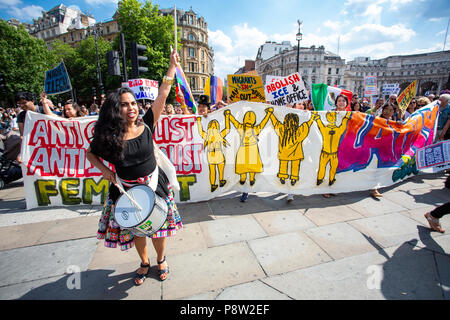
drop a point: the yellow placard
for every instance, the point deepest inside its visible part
(242, 87)
(406, 96)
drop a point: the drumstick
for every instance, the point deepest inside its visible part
(129, 197)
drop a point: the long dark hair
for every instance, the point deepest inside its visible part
(75, 106)
(110, 128)
(291, 125)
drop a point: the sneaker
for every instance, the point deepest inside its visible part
(290, 198)
(244, 197)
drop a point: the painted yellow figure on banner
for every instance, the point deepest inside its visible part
(214, 143)
(331, 134)
(248, 160)
(290, 150)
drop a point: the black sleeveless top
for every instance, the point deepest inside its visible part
(139, 159)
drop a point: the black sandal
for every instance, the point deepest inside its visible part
(143, 275)
(163, 272)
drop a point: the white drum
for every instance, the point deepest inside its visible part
(149, 219)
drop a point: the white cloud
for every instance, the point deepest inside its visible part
(27, 13)
(9, 3)
(101, 2)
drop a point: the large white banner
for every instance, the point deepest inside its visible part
(247, 147)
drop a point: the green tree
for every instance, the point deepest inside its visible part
(23, 60)
(81, 64)
(142, 23)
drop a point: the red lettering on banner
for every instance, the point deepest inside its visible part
(185, 158)
(174, 129)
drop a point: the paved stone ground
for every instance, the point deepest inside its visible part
(345, 247)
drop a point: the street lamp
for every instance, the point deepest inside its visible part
(298, 37)
(98, 31)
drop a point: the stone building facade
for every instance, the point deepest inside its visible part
(197, 57)
(432, 70)
(315, 64)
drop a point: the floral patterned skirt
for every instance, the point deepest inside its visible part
(114, 235)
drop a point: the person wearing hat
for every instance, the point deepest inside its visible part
(203, 105)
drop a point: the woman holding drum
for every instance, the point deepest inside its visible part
(121, 139)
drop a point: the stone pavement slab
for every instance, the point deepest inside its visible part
(287, 252)
(26, 235)
(224, 231)
(340, 240)
(331, 215)
(413, 201)
(43, 261)
(388, 230)
(369, 207)
(276, 222)
(397, 273)
(255, 290)
(211, 269)
(189, 238)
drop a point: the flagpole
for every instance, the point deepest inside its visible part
(175, 28)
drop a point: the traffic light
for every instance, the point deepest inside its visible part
(2, 82)
(136, 59)
(113, 60)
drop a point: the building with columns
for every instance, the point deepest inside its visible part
(316, 65)
(197, 57)
(432, 70)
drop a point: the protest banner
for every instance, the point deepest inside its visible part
(406, 96)
(57, 80)
(390, 88)
(245, 147)
(370, 86)
(242, 87)
(287, 90)
(435, 156)
(143, 88)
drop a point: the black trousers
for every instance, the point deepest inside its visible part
(441, 211)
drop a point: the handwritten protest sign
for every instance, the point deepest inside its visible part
(370, 86)
(143, 88)
(288, 90)
(245, 147)
(436, 156)
(390, 88)
(57, 80)
(243, 87)
(406, 96)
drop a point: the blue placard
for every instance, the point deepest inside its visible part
(57, 80)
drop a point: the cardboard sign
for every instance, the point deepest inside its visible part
(406, 96)
(436, 156)
(57, 80)
(143, 88)
(370, 86)
(243, 87)
(288, 90)
(390, 88)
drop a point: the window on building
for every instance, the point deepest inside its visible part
(191, 20)
(191, 52)
(337, 70)
(107, 29)
(329, 82)
(203, 68)
(191, 37)
(329, 70)
(314, 70)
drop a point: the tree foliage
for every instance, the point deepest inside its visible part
(142, 23)
(23, 61)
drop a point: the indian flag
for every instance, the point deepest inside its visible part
(323, 96)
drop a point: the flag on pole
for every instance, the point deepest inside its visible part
(214, 89)
(183, 85)
(323, 96)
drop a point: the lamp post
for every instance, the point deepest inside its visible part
(98, 31)
(298, 37)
